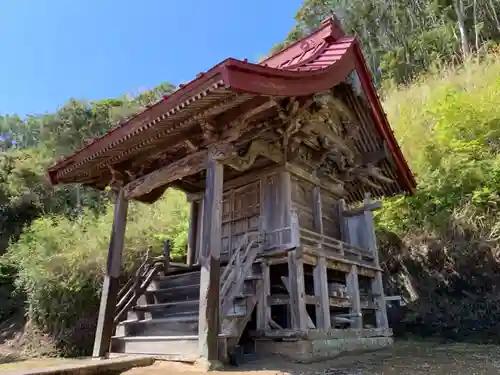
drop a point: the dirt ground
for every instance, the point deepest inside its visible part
(405, 358)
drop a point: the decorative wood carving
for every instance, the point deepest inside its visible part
(257, 147)
(118, 179)
(208, 130)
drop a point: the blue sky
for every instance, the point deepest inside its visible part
(52, 50)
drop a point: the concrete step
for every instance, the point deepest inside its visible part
(178, 348)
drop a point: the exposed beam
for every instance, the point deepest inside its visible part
(190, 164)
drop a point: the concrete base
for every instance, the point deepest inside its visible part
(91, 367)
(322, 345)
(206, 365)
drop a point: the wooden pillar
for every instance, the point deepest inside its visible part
(323, 320)
(210, 262)
(297, 290)
(320, 274)
(263, 308)
(192, 234)
(110, 287)
(376, 283)
(352, 285)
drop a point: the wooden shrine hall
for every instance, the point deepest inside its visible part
(282, 163)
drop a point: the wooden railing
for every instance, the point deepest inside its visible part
(238, 268)
(136, 285)
(286, 237)
(309, 237)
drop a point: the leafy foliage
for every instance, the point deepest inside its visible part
(449, 232)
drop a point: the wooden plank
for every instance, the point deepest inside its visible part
(263, 308)
(111, 287)
(353, 291)
(208, 327)
(188, 165)
(331, 256)
(321, 291)
(336, 189)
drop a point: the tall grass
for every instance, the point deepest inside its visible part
(448, 124)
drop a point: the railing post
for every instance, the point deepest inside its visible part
(166, 257)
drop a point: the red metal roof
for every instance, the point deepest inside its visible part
(312, 65)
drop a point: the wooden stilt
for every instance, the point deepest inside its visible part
(297, 291)
(320, 275)
(210, 263)
(110, 288)
(263, 309)
(321, 290)
(353, 291)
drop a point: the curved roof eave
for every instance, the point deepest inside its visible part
(237, 76)
(313, 65)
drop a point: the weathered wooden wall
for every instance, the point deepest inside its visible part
(258, 203)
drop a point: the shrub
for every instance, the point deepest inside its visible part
(61, 263)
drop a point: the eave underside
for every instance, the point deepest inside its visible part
(208, 122)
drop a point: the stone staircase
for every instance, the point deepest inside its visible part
(164, 321)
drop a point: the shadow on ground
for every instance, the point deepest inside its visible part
(405, 358)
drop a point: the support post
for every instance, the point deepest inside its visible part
(192, 234)
(320, 274)
(111, 287)
(376, 283)
(297, 290)
(210, 263)
(323, 319)
(352, 285)
(263, 309)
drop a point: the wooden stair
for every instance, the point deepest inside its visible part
(164, 321)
